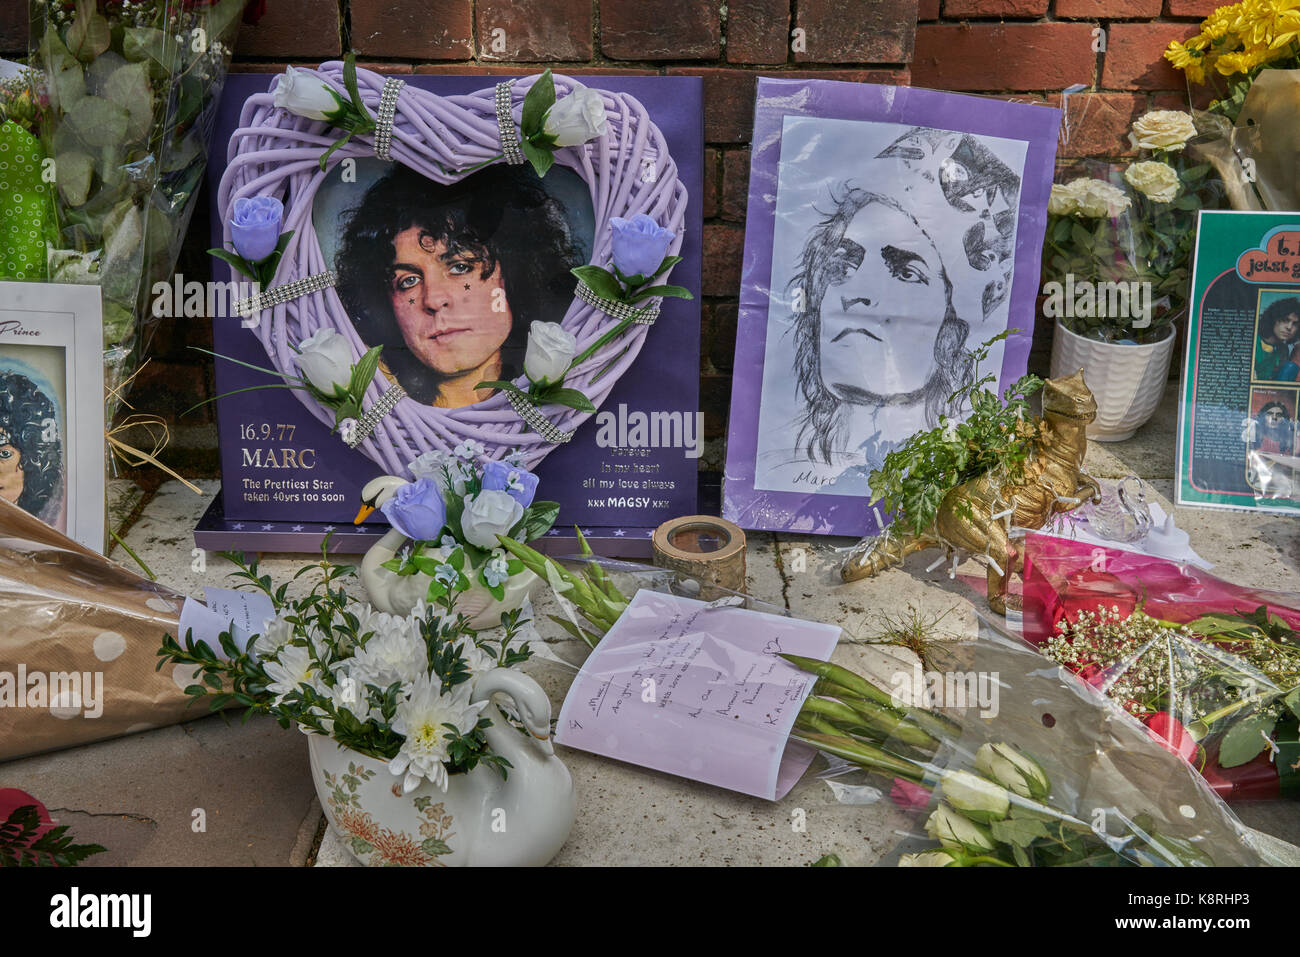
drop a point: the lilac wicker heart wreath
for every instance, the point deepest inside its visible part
(277, 153)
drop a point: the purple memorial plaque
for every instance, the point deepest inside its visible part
(890, 232)
(281, 467)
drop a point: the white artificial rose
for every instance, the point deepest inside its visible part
(1163, 130)
(306, 95)
(576, 118)
(1098, 199)
(490, 513)
(325, 358)
(1157, 181)
(551, 348)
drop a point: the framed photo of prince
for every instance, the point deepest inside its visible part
(904, 233)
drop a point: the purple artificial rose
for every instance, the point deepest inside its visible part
(417, 511)
(255, 226)
(640, 244)
(519, 484)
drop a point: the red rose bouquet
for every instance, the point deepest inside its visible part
(1211, 669)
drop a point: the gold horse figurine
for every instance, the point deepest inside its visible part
(977, 515)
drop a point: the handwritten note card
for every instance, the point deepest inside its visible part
(697, 689)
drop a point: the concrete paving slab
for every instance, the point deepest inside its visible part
(146, 796)
(137, 795)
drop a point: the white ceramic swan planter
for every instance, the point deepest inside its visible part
(398, 595)
(481, 820)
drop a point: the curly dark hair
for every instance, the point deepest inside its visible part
(1276, 312)
(501, 215)
(24, 413)
(1283, 435)
(821, 424)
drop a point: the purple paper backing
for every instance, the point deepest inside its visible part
(1037, 125)
(665, 377)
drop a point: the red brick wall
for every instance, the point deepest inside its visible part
(1028, 48)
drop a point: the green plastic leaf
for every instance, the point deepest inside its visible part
(1245, 739)
(602, 282)
(542, 159)
(668, 263)
(571, 398)
(89, 35)
(670, 292)
(364, 371)
(537, 103)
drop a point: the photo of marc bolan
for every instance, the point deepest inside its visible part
(893, 257)
(448, 278)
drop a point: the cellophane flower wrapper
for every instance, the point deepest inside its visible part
(1250, 133)
(690, 683)
(1250, 688)
(1145, 242)
(132, 97)
(1113, 790)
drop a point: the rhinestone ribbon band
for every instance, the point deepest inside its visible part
(373, 415)
(645, 316)
(528, 412)
(384, 118)
(290, 290)
(506, 127)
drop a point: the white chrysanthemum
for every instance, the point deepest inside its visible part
(394, 652)
(275, 634)
(294, 668)
(421, 719)
(478, 659)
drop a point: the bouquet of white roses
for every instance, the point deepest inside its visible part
(1136, 229)
(395, 688)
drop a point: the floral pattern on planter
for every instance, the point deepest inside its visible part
(375, 844)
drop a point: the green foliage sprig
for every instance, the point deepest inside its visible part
(20, 847)
(239, 677)
(996, 437)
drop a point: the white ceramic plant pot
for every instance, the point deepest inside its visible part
(1126, 380)
(481, 821)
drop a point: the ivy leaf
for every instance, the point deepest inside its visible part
(1245, 739)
